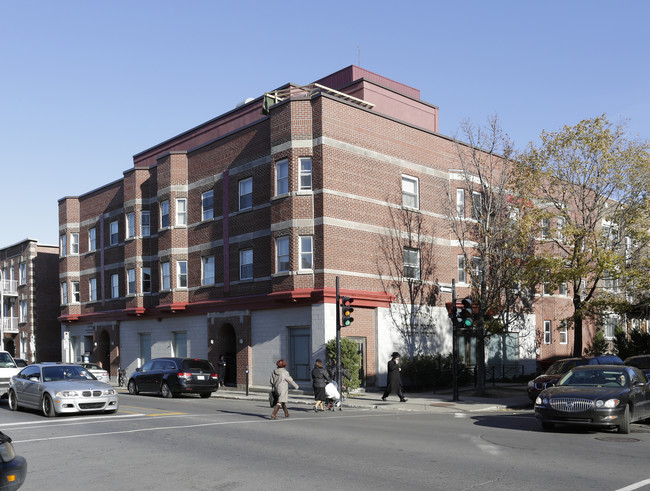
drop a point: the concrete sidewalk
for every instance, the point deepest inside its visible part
(500, 397)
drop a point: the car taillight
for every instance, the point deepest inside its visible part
(184, 375)
(214, 375)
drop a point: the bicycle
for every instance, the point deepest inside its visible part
(121, 378)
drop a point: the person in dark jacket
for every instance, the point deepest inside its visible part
(394, 380)
(320, 378)
(222, 370)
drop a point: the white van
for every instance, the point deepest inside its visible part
(8, 369)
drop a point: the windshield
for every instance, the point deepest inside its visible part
(595, 378)
(6, 361)
(68, 372)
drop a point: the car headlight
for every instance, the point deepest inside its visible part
(109, 392)
(541, 401)
(531, 383)
(7, 453)
(609, 404)
(67, 393)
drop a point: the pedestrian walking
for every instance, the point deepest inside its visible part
(320, 378)
(221, 370)
(394, 381)
(280, 380)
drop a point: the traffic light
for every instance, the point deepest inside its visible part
(467, 313)
(455, 313)
(346, 305)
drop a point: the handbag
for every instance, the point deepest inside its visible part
(273, 398)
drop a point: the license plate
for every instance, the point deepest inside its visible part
(200, 377)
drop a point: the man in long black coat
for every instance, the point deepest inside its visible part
(394, 381)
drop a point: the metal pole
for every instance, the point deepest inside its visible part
(454, 349)
(246, 380)
(2, 311)
(338, 342)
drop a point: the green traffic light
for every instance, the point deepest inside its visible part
(468, 322)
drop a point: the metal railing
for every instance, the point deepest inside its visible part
(9, 287)
(10, 325)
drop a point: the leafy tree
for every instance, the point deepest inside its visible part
(495, 235)
(598, 345)
(591, 183)
(350, 357)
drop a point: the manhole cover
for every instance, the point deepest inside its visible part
(621, 439)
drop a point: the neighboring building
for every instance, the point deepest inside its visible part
(227, 239)
(30, 301)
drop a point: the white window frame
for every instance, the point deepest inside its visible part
(92, 239)
(74, 243)
(207, 270)
(411, 259)
(564, 335)
(75, 292)
(145, 280)
(246, 194)
(545, 227)
(460, 202)
(130, 281)
(181, 274)
(22, 273)
(561, 222)
(64, 293)
(460, 266)
(477, 205)
(410, 192)
(114, 233)
(207, 205)
(115, 285)
(246, 264)
(548, 338)
(129, 228)
(282, 254)
(164, 214)
(305, 173)
(92, 289)
(63, 245)
(564, 289)
(282, 177)
(306, 248)
(22, 311)
(165, 276)
(145, 223)
(181, 212)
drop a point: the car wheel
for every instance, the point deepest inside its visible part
(624, 427)
(548, 426)
(165, 391)
(48, 406)
(205, 395)
(133, 389)
(13, 401)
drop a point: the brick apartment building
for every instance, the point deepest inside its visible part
(30, 301)
(228, 238)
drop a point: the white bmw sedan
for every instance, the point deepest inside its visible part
(58, 388)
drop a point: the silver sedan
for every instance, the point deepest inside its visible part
(60, 388)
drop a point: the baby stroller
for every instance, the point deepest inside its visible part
(333, 396)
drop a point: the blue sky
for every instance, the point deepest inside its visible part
(85, 85)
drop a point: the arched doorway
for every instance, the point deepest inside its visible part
(103, 353)
(227, 346)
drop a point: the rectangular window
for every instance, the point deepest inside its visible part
(74, 243)
(64, 293)
(611, 323)
(282, 254)
(246, 264)
(92, 239)
(145, 224)
(181, 212)
(76, 295)
(410, 192)
(460, 203)
(560, 228)
(115, 286)
(564, 289)
(564, 337)
(179, 344)
(462, 276)
(23, 311)
(546, 228)
(181, 274)
(130, 285)
(411, 263)
(246, 194)
(207, 277)
(282, 177)
(145, 277)
(207, 205)
(145, 348)
(306, 253)
(114, 239)
(63, 245)
(165, 274)
(547, 332)
(92, 287)
(305, 173)
(477, 205)
(130, 225)
(22, 273)
(164, 214)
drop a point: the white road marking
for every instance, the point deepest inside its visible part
(637, 485)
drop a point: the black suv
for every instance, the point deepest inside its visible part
(173, 376)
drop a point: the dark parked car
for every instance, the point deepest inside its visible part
(561, 367)
(20, 363)
(640, 361)
(596, 395)
(13, 468)
(173, 376)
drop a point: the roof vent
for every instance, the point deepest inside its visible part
(245, 101)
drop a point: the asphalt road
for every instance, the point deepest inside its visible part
(212, 444)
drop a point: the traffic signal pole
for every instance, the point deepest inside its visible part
(454, 340)
(338, 342)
